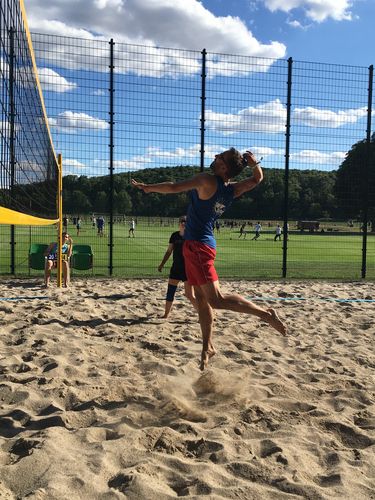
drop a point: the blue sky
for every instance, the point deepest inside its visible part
(325, 126)
(331, 31)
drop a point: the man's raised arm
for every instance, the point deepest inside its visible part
(251, 182)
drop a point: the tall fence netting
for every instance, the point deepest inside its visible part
(119, 111)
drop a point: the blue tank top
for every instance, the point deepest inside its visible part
(202, 214)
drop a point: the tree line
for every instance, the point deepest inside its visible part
(313, 194)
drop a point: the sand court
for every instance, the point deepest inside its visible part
(101, 398)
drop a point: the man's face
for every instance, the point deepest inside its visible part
(220, 164)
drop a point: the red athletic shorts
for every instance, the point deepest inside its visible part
(199, 263)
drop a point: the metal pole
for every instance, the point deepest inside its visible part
(12, 152)
(111, 147)
(286, 174)
(366, 176)
(203, 106)
(29, 247)
(60, 209)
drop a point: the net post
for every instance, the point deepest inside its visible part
(286, 171)
(59, 208)
(203, 107)
(111, 151)
(12, 150)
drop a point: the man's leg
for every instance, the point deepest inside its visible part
(235, 302)
(206, 319)
(189, 294)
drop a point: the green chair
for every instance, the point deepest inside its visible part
(82, 257)
(36, 256)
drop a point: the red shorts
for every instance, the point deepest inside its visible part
(199, 263)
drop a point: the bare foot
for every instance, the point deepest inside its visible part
(276, 322)
(205, 357)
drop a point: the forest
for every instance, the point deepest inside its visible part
(313, 194)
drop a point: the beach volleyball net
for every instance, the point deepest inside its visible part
(29, 169)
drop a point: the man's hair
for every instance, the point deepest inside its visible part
(235, 163)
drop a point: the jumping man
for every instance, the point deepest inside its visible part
(211, 195)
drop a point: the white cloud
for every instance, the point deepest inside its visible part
(106, 4)
(317, 10)
(50, 80)
(157, 157)
(72, 163)
(135, 163)
(177, 153)
(318, 157)
(295, 24)
(100, 92)
(313, 117)
(72, 167)
(4, 126)
(70, 122)
(4, 68)
(164, 23)
(265, 151)
(270, 118)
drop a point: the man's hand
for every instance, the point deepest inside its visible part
(140, 185)
(251, 159)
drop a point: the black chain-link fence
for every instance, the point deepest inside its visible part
(119, 111)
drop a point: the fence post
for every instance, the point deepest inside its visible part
(366, 176)
(111, 147)
(286, 173)
(12, 152)
(203, 106)
(60, 226)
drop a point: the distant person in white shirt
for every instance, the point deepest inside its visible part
(258, 228)
(131, 229)
(278, 233)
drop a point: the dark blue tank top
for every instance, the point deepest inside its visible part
(202, 214)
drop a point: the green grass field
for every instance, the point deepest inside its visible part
(329, 256)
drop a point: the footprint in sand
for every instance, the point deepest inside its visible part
(349, 436)
(23, 448)
(121, 482)
(329, 480)
(268, 448)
